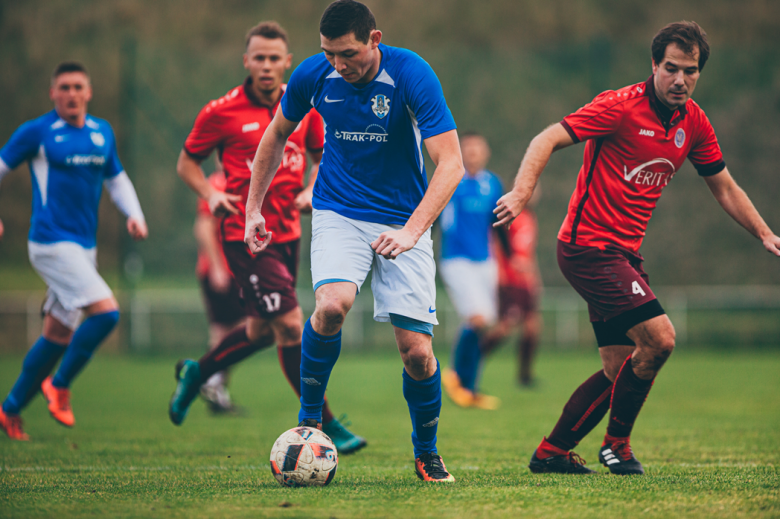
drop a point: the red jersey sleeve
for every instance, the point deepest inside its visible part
(599, 118)
(705, 154)
(205, 135)
(315, 135)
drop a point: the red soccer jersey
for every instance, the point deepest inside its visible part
(234, 124)
(522, 236)
(217, 181)
(629, 158)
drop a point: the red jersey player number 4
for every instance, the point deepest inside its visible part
(630, 156)
(234, 124)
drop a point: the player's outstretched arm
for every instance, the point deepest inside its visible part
(737, 204)
(444, 150)
(123, 194)
(537, 155)
(267, 159)
(220, 203)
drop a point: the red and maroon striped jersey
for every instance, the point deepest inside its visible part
(234, 125)
(630, 156)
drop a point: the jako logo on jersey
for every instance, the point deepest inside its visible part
(97, 138)
(432, 422)
(85, 160)
(649, 133)
(310, 381)
(373, 133)
(649, 178)
(250, 127)
(679, 138)
(380, 104)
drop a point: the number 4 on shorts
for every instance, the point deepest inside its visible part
(637, 289)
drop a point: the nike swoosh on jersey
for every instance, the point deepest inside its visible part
(332, 100)
(628, 176)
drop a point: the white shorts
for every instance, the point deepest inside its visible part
(70, 273)
(341, 251)
(472, 287)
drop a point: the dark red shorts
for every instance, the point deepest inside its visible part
(516, 302)
(222, 307)
(611, 280)
(267, 280)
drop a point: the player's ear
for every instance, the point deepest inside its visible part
(288, 63)
(375, 38)
(655, 65)
(246, 61)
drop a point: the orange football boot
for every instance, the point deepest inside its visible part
(59, 403)
(12, 425)
(459, 395)
(430, 467)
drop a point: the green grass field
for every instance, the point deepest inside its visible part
(709, 437)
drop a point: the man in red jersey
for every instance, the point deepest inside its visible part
(234, 125)
(519, 287)
(637, 138)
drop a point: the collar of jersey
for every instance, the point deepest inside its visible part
(255, 101)
(678, 114)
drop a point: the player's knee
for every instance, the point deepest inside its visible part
(478, 322)
(416, 360)
(332, 312)
(289, 333)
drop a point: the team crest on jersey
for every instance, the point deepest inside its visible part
(380, 104)
(97, 138)
(679, 138)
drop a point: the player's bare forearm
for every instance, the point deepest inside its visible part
(191, 173)
(267, 159)
(537, 155)
(738, 205)
(444, 150)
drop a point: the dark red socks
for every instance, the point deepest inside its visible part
(584, 410)
(234, 348)
(628, 395)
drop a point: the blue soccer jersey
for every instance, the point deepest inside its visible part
(372, 166)
(467, 220)
(68, 166)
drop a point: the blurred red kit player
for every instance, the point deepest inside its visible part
(233, 125)
(637, 138)
(519, 288)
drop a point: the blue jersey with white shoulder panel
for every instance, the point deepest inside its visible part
(68, 166)
(468, 218)
(372, 166)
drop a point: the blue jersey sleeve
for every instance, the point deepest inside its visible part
(23, 145)
(113, 164)
(425, 97)
(296, 101)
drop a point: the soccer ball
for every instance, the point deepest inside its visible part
(304, 456)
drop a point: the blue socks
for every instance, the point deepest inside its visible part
(424, 400)
(37, 365)
(319, 354)
(467, 357)
(85, 341)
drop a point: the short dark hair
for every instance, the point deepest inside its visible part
(270, 30)
(686, 35)
(68, 66)
(347, 16)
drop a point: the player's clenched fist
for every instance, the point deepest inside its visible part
(390, 244)
(508, 207)
(137, 229)
(255, 236)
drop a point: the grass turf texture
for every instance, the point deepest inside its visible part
(709, 438)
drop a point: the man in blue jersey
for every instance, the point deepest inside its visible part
(71, 156)
(373, 207)
(468, 269)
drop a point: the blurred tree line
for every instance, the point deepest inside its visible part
(509, 68)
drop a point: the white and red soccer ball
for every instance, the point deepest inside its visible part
(304, 456)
